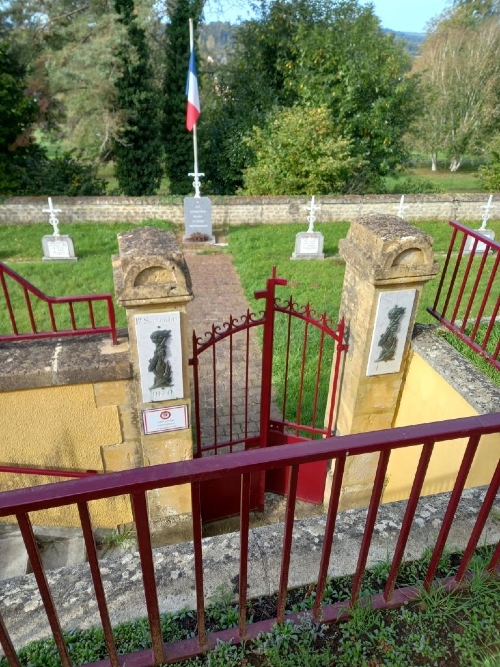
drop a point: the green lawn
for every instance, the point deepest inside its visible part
(463, 180)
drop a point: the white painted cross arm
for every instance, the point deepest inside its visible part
(52, 216)
(487, 212)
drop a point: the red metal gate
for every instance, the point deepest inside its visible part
(248, 396)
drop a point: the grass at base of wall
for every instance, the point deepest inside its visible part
(475, 358)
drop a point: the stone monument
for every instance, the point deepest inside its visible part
(198, 215)
(57, 247)
(309, 245)
(487, 233)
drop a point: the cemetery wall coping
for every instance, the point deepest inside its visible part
(482, 394)
(63, 361)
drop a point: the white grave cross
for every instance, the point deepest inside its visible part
(52, 217)
(311, 218)
(487, 211)
(196, 182)
(401, 207)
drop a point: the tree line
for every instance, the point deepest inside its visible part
(311, 97)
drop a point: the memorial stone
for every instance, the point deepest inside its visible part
(309, 245)
(198, 219)
(487, 233)
(57, 247)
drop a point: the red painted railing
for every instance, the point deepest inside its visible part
(52, 308)
(218, 468)
(47, 472)
(468, 297)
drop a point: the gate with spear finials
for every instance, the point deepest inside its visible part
(238, 386)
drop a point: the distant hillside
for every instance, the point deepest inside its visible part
(216, 39)
(414, 40)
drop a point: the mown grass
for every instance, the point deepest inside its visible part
(459, 629)
(463, 180)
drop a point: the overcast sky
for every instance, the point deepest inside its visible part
(403, 15)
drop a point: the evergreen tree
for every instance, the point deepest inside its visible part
(178, 141)
(18, 112)
(137, 148)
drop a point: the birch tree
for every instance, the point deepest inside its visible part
(460, 71)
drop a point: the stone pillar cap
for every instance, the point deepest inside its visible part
(383, 248)
(150, 269)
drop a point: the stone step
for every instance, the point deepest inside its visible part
(13, 555)
(58, 547)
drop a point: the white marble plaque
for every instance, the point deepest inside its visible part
(159, 347)
(481, 247)
(309, 245)
(392, 320)
(161, 420)
(58, 248)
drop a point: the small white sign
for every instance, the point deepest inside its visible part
(159, 347)
(392, 320)
(173, 418)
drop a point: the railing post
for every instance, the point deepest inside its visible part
(388, 262)
(267, 353)
(152, 282)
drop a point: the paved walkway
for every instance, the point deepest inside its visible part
(218, 294)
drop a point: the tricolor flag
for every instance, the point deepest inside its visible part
(193, 101)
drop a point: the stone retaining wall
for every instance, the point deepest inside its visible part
(246, 210)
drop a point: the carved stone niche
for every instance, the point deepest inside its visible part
(150, 269)
(387, 249)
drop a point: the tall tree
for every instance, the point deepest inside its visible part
(177, 140)
(460, 70)
(137, 147)
(18, 112)
(312, 54)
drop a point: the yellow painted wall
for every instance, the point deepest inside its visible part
(427, 397)
(59, 427)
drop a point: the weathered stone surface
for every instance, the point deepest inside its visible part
(464, 377)
(61, 361)
(246, 210)
(72, 589)
(150, 268)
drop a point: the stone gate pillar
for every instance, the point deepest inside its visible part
(388, 261)
(152, 283)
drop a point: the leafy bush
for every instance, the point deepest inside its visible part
(29, 171)
(298, 151)
(415, 186)
(489, 175)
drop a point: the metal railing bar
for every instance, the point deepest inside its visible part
(454, 274)
(95, 572)
(287, 542)
(30, 311)
(139, 504)
(21, 470)
(244, 533)
(473, 292)
(406, 524)
(456, 494)
(8, 302)
(485, 298)
(198, 564)
(331, 519)
(495, 559)
(7, 646)
(43, 587)
(252, 460)
(480, 522)
(378, 488)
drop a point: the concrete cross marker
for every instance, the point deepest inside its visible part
(52, 217)
(311, 218)
(401, 207)
(487, 211)
(196, 182)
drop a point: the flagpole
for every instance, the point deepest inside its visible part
(195, 136)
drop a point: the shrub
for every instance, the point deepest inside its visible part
(415, 186)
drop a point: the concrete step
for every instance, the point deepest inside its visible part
(13, 555)
(59, 547)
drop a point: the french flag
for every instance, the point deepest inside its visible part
(193, 101)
